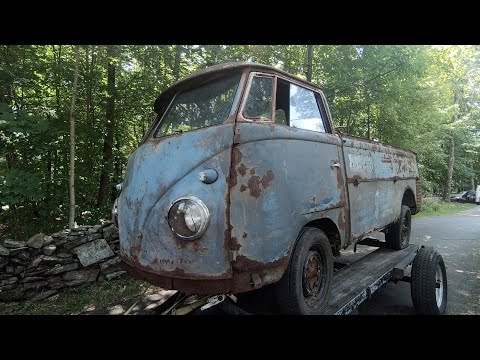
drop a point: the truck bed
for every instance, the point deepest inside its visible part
(357, 281)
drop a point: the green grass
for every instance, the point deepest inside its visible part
(75, 300)
(442, 208)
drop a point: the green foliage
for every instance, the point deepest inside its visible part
(397, 94)
(442, 208)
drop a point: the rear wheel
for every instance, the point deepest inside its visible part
(306, 285)
(398, 235)
(429, 283)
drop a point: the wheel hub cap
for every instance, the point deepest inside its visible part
(312, 274)
(439, 286)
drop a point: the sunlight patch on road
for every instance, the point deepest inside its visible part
(463, 292)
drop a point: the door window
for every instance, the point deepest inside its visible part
(259, 101)
(298, 107)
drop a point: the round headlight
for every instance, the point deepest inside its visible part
(188, 218)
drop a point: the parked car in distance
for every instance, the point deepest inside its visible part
(464, 196)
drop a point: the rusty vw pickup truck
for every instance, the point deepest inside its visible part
(242, 181)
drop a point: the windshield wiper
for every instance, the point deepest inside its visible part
(177, 131)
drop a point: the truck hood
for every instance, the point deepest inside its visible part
(157, 165)
(158, 173)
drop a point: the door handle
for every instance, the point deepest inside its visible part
(336, 164)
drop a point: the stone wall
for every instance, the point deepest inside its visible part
(40, 267)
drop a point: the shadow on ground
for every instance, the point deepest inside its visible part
(139, 305)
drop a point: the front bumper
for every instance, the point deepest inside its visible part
(239, 283)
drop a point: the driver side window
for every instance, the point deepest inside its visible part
(298, 107)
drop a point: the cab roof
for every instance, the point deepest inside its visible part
(212, 71)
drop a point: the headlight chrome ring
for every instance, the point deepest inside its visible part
(188, 218)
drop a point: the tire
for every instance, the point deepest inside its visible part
(295, 293)
(428, 268)
(398, 235)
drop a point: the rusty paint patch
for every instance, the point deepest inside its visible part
(194, 246)
(252, 171)
(254, 186)
(267, 179)
(236, 159)
(135, 251)
(235, 245)
(242, 169)
(245, 264)
(244, 236)
(171, 261)
(176, 273)
(243, 188)
(240, 282)
(343, 220)
(313, 199)
(188, 286)
(227, 234)
(264, 273)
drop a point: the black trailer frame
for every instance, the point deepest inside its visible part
(353, 283)
(356, 282)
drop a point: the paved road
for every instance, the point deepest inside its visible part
(457, 238)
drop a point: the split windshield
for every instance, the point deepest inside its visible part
(206, 105)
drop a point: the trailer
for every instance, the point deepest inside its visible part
(353, 283)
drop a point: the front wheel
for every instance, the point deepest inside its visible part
(306, 285)
(398, 235)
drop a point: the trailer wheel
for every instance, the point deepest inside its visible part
(306, 285)
(398, 235)
(429, 282)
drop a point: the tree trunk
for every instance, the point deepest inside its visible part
(88, 90)
(118, 166)
(56, 61)
(110, 125)
(309, 62)
(368, 123)
(176, 67)
(288, 59)
(451, 160)
(451, 157)
(10, 156)
(90, 119)
(71, 217)
(348, 121)
(472, 179)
